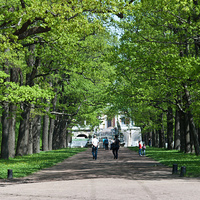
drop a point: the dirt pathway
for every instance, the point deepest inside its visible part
(82, 166)
(81, 177)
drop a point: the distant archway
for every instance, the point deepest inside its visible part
(82, 135)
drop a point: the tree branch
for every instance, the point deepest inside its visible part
(22, 3)
(32, 31)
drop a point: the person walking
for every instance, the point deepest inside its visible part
(140, 149)
(149, 142)
(143, 149)
(106, 143)
(95, 143)
(115, 148)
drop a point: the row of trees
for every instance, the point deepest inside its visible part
(54, 69)
(158, 71)
(59, 67)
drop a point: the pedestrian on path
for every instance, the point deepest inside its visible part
(149, 142)
(140, 149)
(106, 143)
(143, 149)
(95, 143)
(116, 145)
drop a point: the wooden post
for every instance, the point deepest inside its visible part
(10, 174)
(175, 169)
(183, 171)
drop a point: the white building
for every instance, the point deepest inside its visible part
(118, 125)
(131, 133)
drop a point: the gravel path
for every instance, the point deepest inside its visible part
(81, 177)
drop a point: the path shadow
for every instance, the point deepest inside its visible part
(82, 166)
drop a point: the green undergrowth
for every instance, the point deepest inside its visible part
(170, 157)
(25, 165)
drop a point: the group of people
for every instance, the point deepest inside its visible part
(114, 146)
(142, 149)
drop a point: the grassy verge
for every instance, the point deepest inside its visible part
(170, 157)
(25, 165)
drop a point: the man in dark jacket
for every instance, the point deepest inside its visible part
(116, 147)
(106, 143)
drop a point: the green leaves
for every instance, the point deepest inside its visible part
(158, 53)
(14, 93)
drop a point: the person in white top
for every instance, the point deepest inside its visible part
(95, 143)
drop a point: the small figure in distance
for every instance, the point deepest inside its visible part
(115, 148)
(106, 143)
(103, 143)
(140, 149)
(95, 143)
(149, 142)
(143, 149)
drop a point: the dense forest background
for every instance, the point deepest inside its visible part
(64, 62)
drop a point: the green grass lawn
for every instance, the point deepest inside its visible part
(25, 165)
(170, 157)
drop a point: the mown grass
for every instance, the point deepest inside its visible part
(25, 165)
(170, 157)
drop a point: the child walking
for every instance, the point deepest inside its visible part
(143, 149)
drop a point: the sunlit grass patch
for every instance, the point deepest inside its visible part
(170, 157)
(25, 165)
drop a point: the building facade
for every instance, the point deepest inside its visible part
(129, 134)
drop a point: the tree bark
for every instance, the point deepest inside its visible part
(191, 121)
(52, 123)
(153, 138)
(30, 137)
(161, 133)
(45, 133)
(22, 143)
(36, 133)
(170, 128)
(187, 135)
(63, 134)
(177, 136)
(182, 130)
(198, 131)
(5, 132)
(55, 143)
(69, 138)
(9, 121)
(11, 136)
(51, 130)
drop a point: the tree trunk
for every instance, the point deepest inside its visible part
(8, 132)
(161, 133)
(5, 132)
(182, 130)
(14, 77)
(52, 123)
(63, 136)
(170, 128)
(187, 135)
(30, 137)
(9, 122)
(177, 136)
(198, 131)
(51, 130)
(36, 133)
(154, 138)
(55, 143)
(45, 134)
(11, 136)
(69, 138)
(22, 143)
(191, 121)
